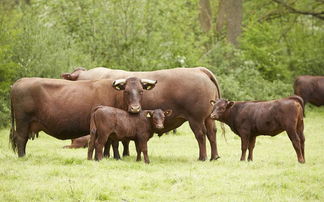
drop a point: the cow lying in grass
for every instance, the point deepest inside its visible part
(81, 142)
(250, 119)
(109, 122)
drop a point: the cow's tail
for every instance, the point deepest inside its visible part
(300, 100)
(12, 129)
(214, 80)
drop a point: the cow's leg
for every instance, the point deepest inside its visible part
(115, 144)
(107, 148)
(68, 146)
(293, 136)
(138, 151)
(126, 147)
(199, 130)
(251, 147)
(211, 134)
(21, 137)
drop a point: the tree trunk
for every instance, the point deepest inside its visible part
(205, 15)
(230, 14)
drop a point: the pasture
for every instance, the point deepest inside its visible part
(51, 173)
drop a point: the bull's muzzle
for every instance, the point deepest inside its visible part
(135, 109)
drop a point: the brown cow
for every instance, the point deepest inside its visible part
(81, 142)
(310, 88)
(253, 118)
(111, 122)
(62, 108)
(184, 90)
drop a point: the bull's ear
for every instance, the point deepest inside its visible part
(66, 76)
(212, 102)
(168, 112)
(119, 84)
(148, 84)
(229, 104)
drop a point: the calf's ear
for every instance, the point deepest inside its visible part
(229, 104)
(168, 112)
(148, 114)
(212, 102)
(148, 84)
(119, 84)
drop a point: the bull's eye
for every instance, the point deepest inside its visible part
(141, 92)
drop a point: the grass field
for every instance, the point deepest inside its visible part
(51, 173)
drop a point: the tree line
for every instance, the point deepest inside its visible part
(255, 48)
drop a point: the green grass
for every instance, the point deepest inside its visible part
(51, 173)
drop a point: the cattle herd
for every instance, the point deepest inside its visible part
(116, 105)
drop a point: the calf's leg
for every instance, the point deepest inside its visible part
(300, 132)
(107, 148)
(99, 145)
(138, 151)
(293, 136)
(251, 147)
(91, 146)
(143, 147)
(244, 146)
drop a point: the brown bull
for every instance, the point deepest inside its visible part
(310, 88)
(62, 108)
(184, 90)
(111, 122)
(253, 118)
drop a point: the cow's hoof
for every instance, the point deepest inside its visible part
(215, 158)
(301, 161)
(202, 159)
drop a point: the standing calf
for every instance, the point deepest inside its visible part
(250, 119)
(109, 122)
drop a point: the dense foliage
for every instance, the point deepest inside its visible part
(46, 38)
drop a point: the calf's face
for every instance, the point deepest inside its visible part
(133, 91)
(219, 108)
(158, 117)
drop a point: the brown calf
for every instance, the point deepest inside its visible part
(250, 119)
(109, 122)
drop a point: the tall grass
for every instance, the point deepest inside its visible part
(51, 173)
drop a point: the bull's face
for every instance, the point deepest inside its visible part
(158, 117)
(219, 108)
(133, 91)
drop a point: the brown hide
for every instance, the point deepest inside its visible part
(80, 142)
(253, 118)
(184, 90)
(62, 108)
(310, 88)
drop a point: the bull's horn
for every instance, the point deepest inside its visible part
(149, 81)
(119, 81)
